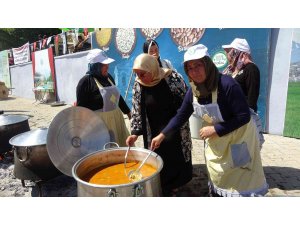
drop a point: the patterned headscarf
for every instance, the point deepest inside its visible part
(239, 61)
(149, 64)
(211, 82)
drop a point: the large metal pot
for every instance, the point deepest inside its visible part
(31, 151)
(149, 186)
(11, 125)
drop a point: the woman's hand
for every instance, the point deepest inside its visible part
(155, 143)
(129, 115)
(207, 132)
(131, 139)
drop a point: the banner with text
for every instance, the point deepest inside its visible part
(21, 54)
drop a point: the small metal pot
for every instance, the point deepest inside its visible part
(11, 125)
(149, 186)
(31, 151)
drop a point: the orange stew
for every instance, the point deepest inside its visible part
(117, 174)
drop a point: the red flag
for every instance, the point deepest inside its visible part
(44, 43)
(34, 46)
(85, 31)
(56, 39)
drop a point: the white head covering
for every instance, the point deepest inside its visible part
(98, 56)
(239, 44)
(195, 52)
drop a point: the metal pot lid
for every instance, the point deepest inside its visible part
(8, 119)
(30, 138)
(74, 133)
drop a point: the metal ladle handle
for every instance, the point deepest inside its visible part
(138, 169)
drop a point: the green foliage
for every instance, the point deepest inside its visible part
(16, 37)
(292, 116)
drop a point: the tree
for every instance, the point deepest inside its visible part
(16, 37)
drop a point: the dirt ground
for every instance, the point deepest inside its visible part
(280, 157)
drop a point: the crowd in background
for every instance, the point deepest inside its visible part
(61, 44)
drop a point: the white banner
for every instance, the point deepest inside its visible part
(21, 54)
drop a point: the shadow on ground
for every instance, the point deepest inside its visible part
(197, 187)
(8, 98)
(281, 180)
(61, 186)
(284, 178)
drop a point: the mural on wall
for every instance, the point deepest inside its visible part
(102, 38)
(292, 115)
(214, 38)
(151, 32)
(4, 68)
(43, 71)
(220, 60)
(186, 37)
(125, 40)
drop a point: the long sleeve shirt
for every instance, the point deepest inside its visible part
(232, 104)
(88, 94)
(249, 79)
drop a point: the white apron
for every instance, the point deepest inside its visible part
(111, 113)
(233, 160)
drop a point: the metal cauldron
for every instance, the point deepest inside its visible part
(11, 125)
(149, 186)
(31, 158)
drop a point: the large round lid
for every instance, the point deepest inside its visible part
(12, 119)
(74, 133)
(30, 138)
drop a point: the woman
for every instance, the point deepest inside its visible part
(232, 150)
(157, 94)
(97, 91)
(243, 70)
(151, 47)
(246, 73)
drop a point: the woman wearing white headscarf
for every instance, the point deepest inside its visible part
(246, 73)
(157, 94)
(231, 146)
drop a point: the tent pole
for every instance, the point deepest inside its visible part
(128, 84)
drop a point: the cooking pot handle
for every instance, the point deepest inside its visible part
(114, 143)
(138, 191)
(112, 193)
(27, 149)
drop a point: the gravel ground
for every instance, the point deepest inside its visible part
(41, 115)
(280, 157)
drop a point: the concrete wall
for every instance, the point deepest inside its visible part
(22, 80)
(274, 69)
(69, 69)
(280, 55)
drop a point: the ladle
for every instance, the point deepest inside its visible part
(135, 175)
(126, 154)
